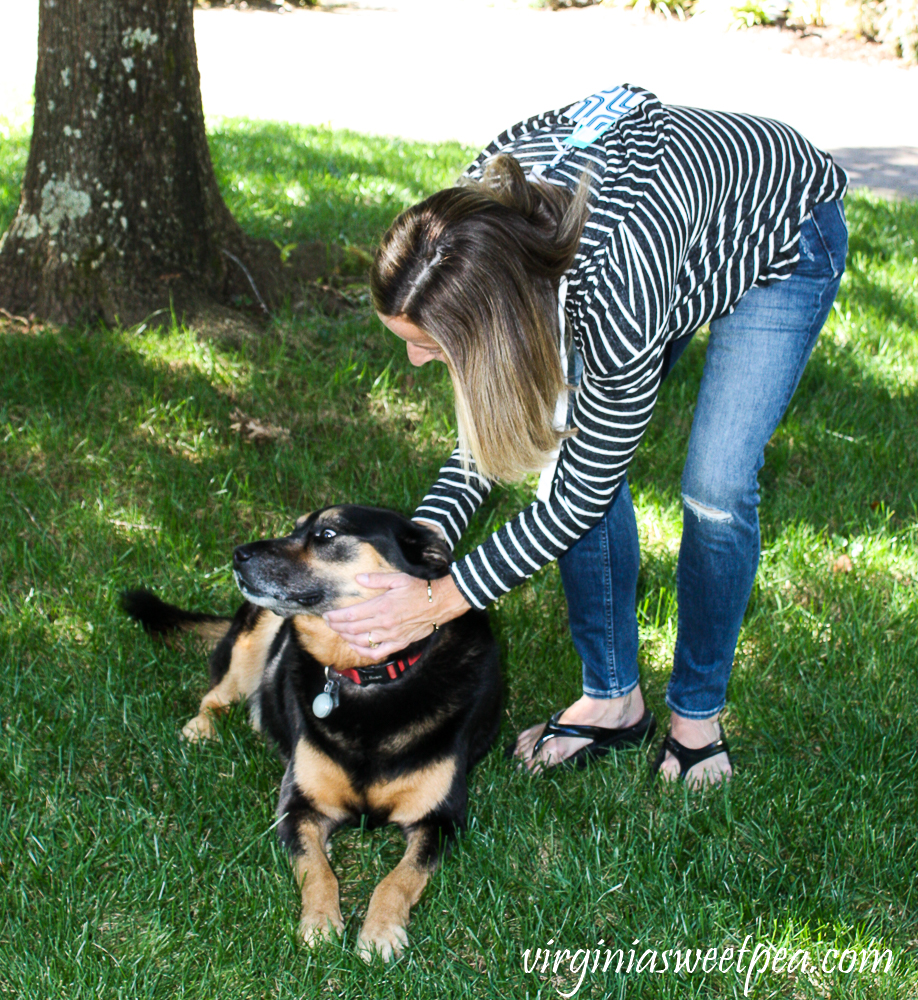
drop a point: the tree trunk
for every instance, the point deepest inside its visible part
(120, 211)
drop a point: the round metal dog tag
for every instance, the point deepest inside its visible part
(322, 705)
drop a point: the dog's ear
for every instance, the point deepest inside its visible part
(424, 549)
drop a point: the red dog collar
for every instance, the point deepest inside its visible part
(379, 673)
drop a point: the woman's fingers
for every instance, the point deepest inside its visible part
(403, 613)
(357, 618)
(377, 612)
(380, 652)
(383, 581)
(384, 644)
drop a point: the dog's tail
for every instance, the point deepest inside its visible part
(164, 620)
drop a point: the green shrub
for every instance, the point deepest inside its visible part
(754, 12)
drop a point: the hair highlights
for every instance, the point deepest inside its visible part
(477, 268)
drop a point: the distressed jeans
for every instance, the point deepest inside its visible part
(754, 360)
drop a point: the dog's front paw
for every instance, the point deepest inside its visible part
(387, 940)
(201, 727)
(318, 926)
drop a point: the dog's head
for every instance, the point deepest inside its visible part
(312, 570)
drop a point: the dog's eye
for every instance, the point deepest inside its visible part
(326, 533)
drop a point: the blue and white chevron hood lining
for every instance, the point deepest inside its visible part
(592, 117)
(599, 112)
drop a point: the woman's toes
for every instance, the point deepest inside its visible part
(712, 771)
(669, 769)
(526, 741)
(552, 752)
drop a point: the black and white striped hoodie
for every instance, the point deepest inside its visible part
(689, 209)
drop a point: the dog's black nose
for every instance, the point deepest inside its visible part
(242, 554)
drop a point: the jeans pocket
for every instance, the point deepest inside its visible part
(824, 235)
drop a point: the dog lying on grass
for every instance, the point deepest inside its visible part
(392, 742)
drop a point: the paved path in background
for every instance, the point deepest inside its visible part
(461, 69)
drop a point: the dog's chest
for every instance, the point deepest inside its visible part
(404, 799)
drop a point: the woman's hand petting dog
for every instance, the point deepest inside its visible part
(400, 616)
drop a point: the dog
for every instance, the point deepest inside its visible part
(392, 742)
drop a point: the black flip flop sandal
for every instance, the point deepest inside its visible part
(604, 740)
(686, 756)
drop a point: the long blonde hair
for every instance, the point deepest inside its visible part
(477, 267)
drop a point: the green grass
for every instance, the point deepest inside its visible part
(293, 183)
(134, 866)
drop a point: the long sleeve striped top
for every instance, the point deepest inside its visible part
(688, 210)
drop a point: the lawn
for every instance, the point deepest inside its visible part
(136, 866)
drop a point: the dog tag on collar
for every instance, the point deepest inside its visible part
(325, 703)
(322, 705)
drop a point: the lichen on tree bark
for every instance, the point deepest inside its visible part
(120, 211)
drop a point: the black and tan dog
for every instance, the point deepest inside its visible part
(393, 742)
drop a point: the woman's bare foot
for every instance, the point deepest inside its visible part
(694, 734)
(612, 713)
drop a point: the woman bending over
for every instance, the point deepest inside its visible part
(583, 248)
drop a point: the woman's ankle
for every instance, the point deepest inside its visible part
(611, 713)
(695, 733)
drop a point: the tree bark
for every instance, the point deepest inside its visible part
(120, 212)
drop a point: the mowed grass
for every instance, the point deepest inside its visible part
(135, 866)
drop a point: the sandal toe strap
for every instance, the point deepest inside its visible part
(689, 757)
(555, 728)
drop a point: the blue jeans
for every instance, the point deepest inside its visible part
(754, 360)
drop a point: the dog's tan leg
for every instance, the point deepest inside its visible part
(247, 664)
(321, 913)
(383, 931)
(214, 703)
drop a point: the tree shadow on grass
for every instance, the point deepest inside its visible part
(882, 230)
(880, 302)
(111, 451)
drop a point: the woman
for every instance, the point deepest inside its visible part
(619, 226)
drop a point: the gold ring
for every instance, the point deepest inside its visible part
(370, 642)
(436, 627)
